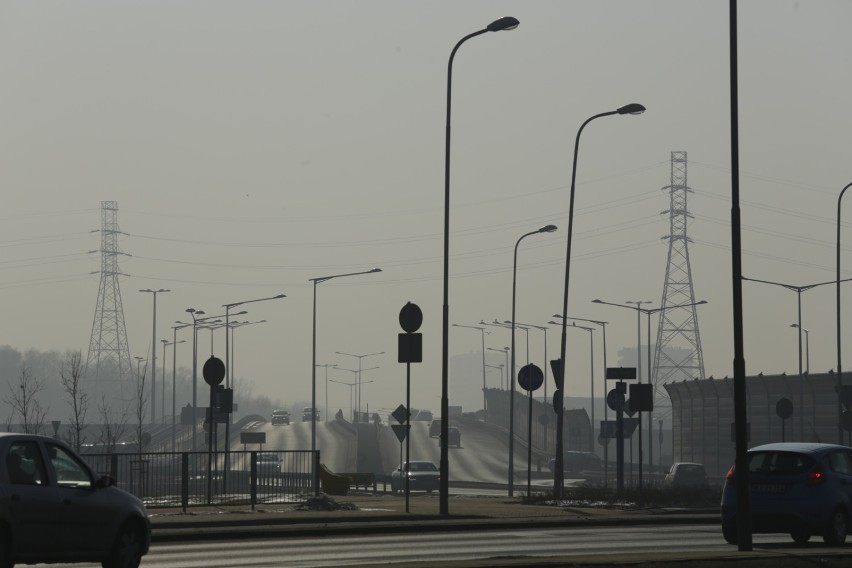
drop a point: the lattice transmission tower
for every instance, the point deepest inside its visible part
(679, 353)
(109, 353)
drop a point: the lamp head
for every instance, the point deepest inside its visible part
(279, 296)
(375, 270)
(547, 229)
(504, 23)
(597, 301)
(632, 108)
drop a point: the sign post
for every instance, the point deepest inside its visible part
(213, 373)
(530, 378)
(410, 351)
(615, 399)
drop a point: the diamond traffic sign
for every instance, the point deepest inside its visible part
(401, 414)
(401, 430)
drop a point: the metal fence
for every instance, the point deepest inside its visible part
(186, 479)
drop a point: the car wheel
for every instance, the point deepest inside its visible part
(729, 532)
(800, 536)
(126, 551)
(838, 527)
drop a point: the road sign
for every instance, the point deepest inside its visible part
(410, 317)
(628, 426)
(621, 373)
(784, 408)
(615, 400)
(628, 408)
(530, 378)
(252, 437)
(642, 397)
(213, 371)
(557, 401)
(556, 368)
(400, 430)
(401, 414)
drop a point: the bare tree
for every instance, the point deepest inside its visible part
(71, 378)
(23, 398)
(141, 403)
(114, 425)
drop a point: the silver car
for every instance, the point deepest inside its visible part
(54, 508)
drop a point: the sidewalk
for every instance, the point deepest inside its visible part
(362, 512)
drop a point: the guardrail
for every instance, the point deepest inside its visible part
(185, 479)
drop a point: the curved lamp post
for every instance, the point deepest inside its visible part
(316, 281)
(358, 390)
(559, 476)
(545, 229)
(482, 332)
(839, 372)
(505, 23)
(504, 351)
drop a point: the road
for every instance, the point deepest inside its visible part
(589, 544)
(337, 445)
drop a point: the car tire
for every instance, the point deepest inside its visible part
(127, 550)
(729, 532)
(838, 528)
(800, 536)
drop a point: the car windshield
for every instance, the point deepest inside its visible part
(779, 463)
(691, 470)
(422, 466)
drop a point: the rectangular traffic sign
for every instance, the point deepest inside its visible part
(621, 373)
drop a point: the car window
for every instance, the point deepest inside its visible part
(70, 472)
(840, 462)
(24, 464)
(780, 463)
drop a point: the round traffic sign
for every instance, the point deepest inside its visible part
(784, 408)
(557, 401)
(213, 371)
(410, 317)
(530, 378)
(615, 400)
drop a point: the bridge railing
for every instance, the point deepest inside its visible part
(185, 479)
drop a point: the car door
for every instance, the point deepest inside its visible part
(31, 502)
(87, 511)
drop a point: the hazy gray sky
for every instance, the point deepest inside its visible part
(254, 145)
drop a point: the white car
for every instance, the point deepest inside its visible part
(422, 476)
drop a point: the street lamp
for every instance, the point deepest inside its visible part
(350, 385)
(545, 229)
(559, 477)
(482, 331)
(839, 366)
(499, 368)
(603, 325)
(174, 380)
(505, 23)
(647, 312)
(798, 290)
(504, 351)
(358, 390)
(326, 366)
(807, 347)
(154, 355)
(317, 281)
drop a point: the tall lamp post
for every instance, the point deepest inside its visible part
(648, 312)
(807, 347)
(166, 343)
(154, 354)
(559, 476)
(505, 23)
(499, 368)
(545, 229)
(603, 325)
(317, 281)
(174, 380)
(839, 363)
(591, 331)
(482, 331)
(504, 351)
(798, 290)
(326, 366)
(358, 390)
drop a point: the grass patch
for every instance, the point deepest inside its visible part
(631, 497)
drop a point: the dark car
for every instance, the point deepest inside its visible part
(435, 428)
(422, 476)
(575, 462)
(280, 417)
(686, 474)
(797, 488)
(54, 508)
(309, 414)
(453, 437)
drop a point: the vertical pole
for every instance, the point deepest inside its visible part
(484, 402)
(744, 536)
(801, 408)
(154, 365)
(174, 404)
(653, 399)
(407, 433)
(639, 370)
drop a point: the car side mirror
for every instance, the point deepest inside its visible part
(104, 481)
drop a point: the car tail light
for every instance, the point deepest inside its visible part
(729, 479)
(815, 476)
